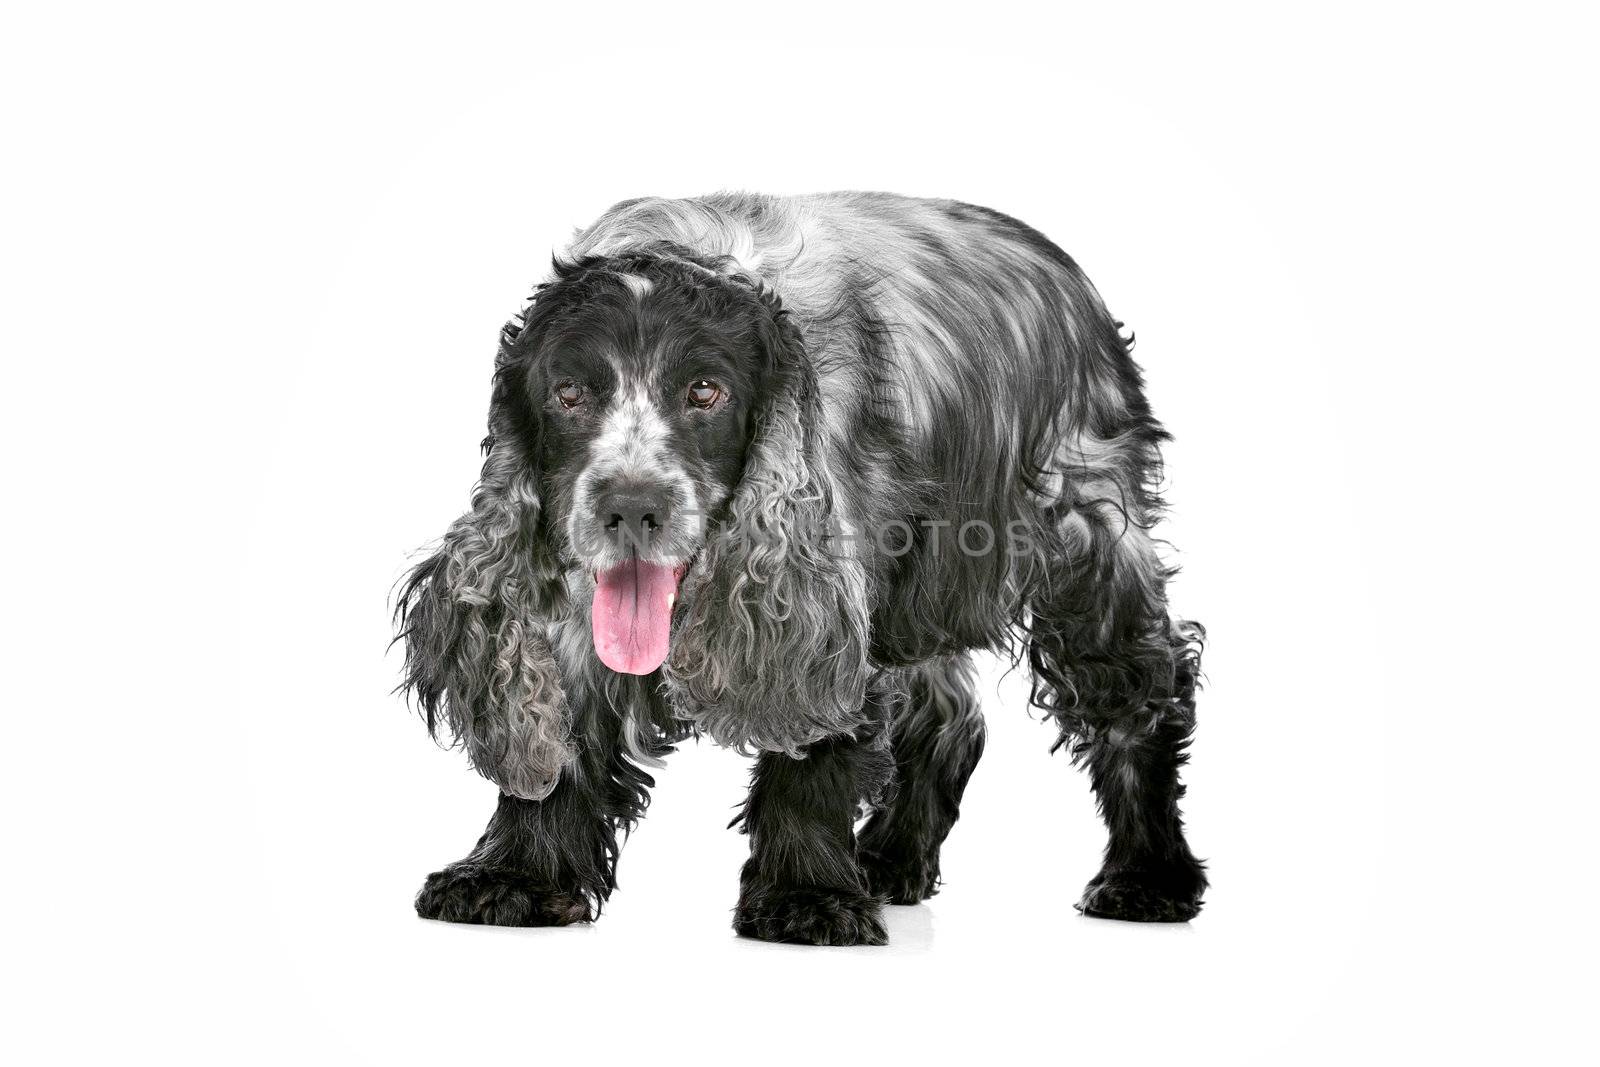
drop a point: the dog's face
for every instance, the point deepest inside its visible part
(642, 378)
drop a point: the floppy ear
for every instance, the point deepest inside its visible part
(771, 650)
(473, 616)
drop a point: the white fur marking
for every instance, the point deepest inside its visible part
(639, 287)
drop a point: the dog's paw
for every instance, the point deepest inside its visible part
(901, 881)
(1139, 897)
(811, 917)
(488, 896)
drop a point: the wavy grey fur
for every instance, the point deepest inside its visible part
(771, 651)
(473, 618)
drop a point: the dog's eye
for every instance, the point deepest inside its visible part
(703, 393)
(570, 394)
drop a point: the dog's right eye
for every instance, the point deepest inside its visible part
(570, 394)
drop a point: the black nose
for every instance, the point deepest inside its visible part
(631, 517)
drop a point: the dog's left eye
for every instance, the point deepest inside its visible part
(703, 393)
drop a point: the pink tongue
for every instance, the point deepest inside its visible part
(632, 615)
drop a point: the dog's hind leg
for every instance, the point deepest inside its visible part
(938, 736)
(1119, 675)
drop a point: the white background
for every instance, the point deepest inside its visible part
(255, 261)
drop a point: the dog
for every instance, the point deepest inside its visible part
(771, 470)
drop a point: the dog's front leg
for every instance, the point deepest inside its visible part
(547, 862)
(802, 883)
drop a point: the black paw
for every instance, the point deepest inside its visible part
(488, 896)
(1141, 897)
(811, 917)
(901, 881)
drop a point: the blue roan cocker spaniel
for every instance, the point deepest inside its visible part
(770, 470)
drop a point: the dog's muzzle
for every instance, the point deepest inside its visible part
(632, 518)
(633, 598)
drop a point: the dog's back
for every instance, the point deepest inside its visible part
(969, 309)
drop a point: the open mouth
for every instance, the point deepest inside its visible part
(632, 614)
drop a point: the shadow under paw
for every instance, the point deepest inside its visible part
(1133, 898)
(489, 896)
(811, 917)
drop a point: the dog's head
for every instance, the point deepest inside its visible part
(654, 455)
(634, 383)
(665, 410)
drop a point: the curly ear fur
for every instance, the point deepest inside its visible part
(473, 616)
(771, 652)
